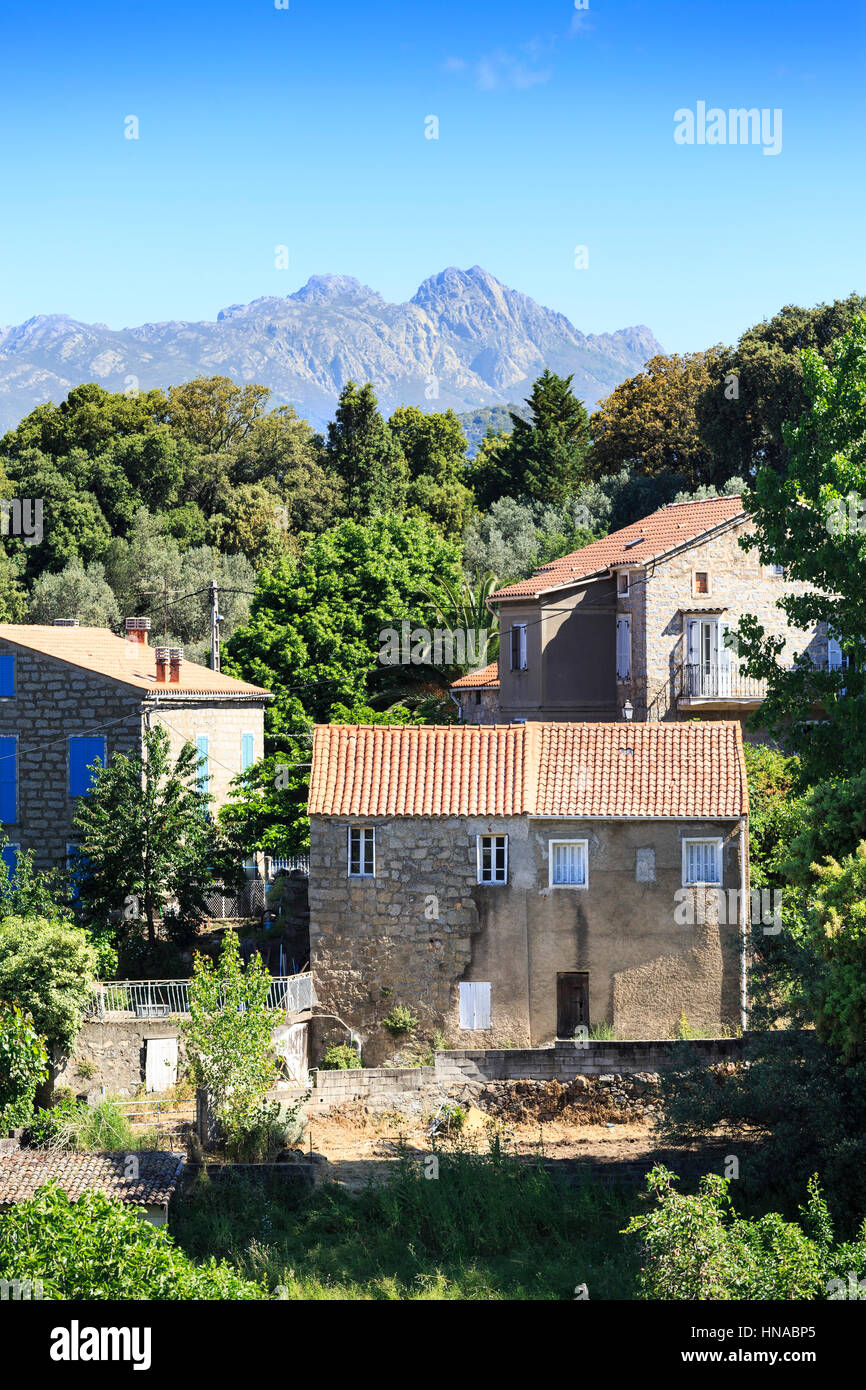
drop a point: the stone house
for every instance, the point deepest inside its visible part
(510, 884)
(635, 624)
(70, 695)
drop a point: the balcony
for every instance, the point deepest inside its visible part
(710, 683)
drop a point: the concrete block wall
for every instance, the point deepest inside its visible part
(565, 1061)
(334, 1087)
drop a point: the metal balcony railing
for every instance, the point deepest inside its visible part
(288, 994)
(713, 681)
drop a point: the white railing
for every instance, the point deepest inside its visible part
(298, 862)
(288, 994)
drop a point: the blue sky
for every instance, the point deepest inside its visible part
(305, 127)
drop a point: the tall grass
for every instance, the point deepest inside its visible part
(487, 1227)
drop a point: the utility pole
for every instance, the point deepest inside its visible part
(214, 626)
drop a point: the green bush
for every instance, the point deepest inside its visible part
(400, 1021)
(697, 1247)
(97, 1248)
(48, 967)
(23, 1064)
(73, 1124)
(340, 1057)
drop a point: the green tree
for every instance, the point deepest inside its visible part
(314, 631)
(544, 456)
(648, 424)
(229, 1036)
(802, 521)
(434, 447)
(365, 455)
(759, 386)
(48, 968)
(213, 413)
(145, 839)
(78, 591)
(23, 1065)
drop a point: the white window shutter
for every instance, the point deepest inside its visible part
(724, 661)
(623, 649)
(474, 1004)
(834, 654)
(694, 642)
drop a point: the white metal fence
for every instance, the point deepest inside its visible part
(288, 994)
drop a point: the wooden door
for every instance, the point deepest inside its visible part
(572, 1002)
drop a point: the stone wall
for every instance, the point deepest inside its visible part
(410, 935)
(52, 701)
(564, 1061)
(479, 706)
(113, 1055)
(739, 585)
(224, 722)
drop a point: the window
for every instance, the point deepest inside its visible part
(9, 855)
(82, 752)
(7, 675)
(8, 780)
(702, 861)
(362, 851)
(623, 648)
(248, 751)
(492, 851)
(202, 748)
(518, 647)
(622, 583)
(778, 569)
(474, 1004)
(568, 863)
(835, 660)
(702, 582)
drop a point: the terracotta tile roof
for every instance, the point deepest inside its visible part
(132, 663)
(487, 676)
(653, 536)
(24, 1170)
(685, 771)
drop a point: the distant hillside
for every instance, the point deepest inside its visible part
(495, 419)
(464, 340)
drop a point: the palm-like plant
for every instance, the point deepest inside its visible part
(464, 607)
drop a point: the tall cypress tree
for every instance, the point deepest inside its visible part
(363, 451)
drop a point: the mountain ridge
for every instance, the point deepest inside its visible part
(463, 340)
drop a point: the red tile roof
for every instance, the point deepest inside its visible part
(653, 536)
(24, 1170)
(690, 771)
(132, 663)
(486, 676)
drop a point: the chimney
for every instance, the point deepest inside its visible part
(65, 622)
(162, 660)
(137, 630)
(175, 655)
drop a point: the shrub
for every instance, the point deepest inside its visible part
(48, 968)
(340, 1057)
(697, 1247)
(73, 1124)
(268, 1129)
(400, 1021)
(97, 1248)
(23, 1064)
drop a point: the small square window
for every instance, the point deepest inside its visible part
(702, 862)
(492, 853)
(568, 863)
(702, 582)
(362, 851)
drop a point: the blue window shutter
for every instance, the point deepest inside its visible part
(248, 755)
(202, 747)
(82, 752)
(7, 673)
(8, 780)
(9, 856)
